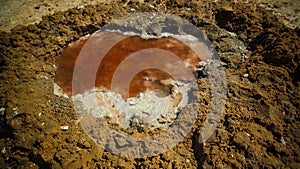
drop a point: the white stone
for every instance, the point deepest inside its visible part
(80, 7)
(64, 127)
(246, 75)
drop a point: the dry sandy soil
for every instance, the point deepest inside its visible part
(258, 43)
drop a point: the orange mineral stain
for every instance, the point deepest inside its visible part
(148, 79)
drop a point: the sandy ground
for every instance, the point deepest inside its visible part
(24, 12)
(14, 12)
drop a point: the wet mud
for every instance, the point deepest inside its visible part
(259, 126)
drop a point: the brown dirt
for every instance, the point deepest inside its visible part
(260, 125)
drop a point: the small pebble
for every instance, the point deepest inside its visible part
(151, 6)
(64, 127)
(3, 151)
(246, 75)
(15, 113)
(283, 141)
(80, 7)
(2, 110)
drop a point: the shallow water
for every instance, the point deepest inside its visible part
(123, 57)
